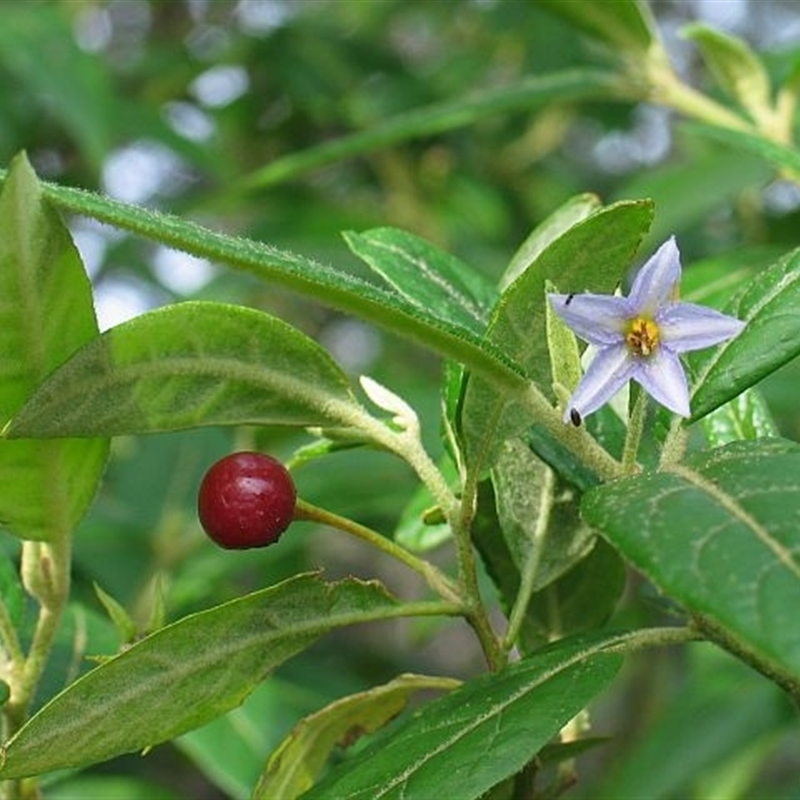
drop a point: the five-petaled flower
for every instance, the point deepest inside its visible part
(640, 336)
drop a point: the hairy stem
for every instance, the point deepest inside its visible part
(634, 435)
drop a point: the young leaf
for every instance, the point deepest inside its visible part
(187, 673)
(590, 256)
(737, 69)
(772, 338)
(625, 25)
(46, 313)
(565, 358)
(463, 744)
(719, 535)
(428, 277)
(190, 364)
(118, 614)
(300, 758)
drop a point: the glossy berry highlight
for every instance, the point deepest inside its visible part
(246, 500)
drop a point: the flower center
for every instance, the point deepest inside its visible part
(642, 336)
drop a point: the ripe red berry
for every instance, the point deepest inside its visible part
(246, 500)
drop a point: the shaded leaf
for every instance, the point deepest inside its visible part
(538, 515)
(579, 601)
(187, 673)
(298, 761)
(422, 525)
(717, 715)
(719, 535)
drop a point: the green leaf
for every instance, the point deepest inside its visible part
(118, 614)
(768, 304)
(719, 536)
(625, 25)
(566, 464)
(528, 94)
(565, 357)
(46, 313)
(75, 88)
(715, 281)
(570, 213)
(473, 738)
(579, 601)
(593, 255)
(301, 757)
(745, 417)
(736, 67)
(695, 184)
(780, 155)
(191, 364)
(188, 673)
(717, 713)
(323, 283)
(426, 276)
(230, 749)
(538, 515)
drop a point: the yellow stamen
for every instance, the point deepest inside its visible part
(642, 336)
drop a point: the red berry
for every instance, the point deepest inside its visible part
(246, 500)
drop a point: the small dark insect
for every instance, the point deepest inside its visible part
(569, 299)
(575, 417)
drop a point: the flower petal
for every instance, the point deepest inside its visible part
(686, 326)
(656, 280)
(597, 318)
(661, 375)
(607, 374)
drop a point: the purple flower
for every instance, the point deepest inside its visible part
(640, 336)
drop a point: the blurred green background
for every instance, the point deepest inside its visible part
(175, 104)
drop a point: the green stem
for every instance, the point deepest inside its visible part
(578, 440)
(675, 443)
(8, 634)
(433, 576)
(634, 435)
(666, 636)
(459, 515)
(46, 576)
(528, 579)
(477, 616)
(49, 565)
(669, 90)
